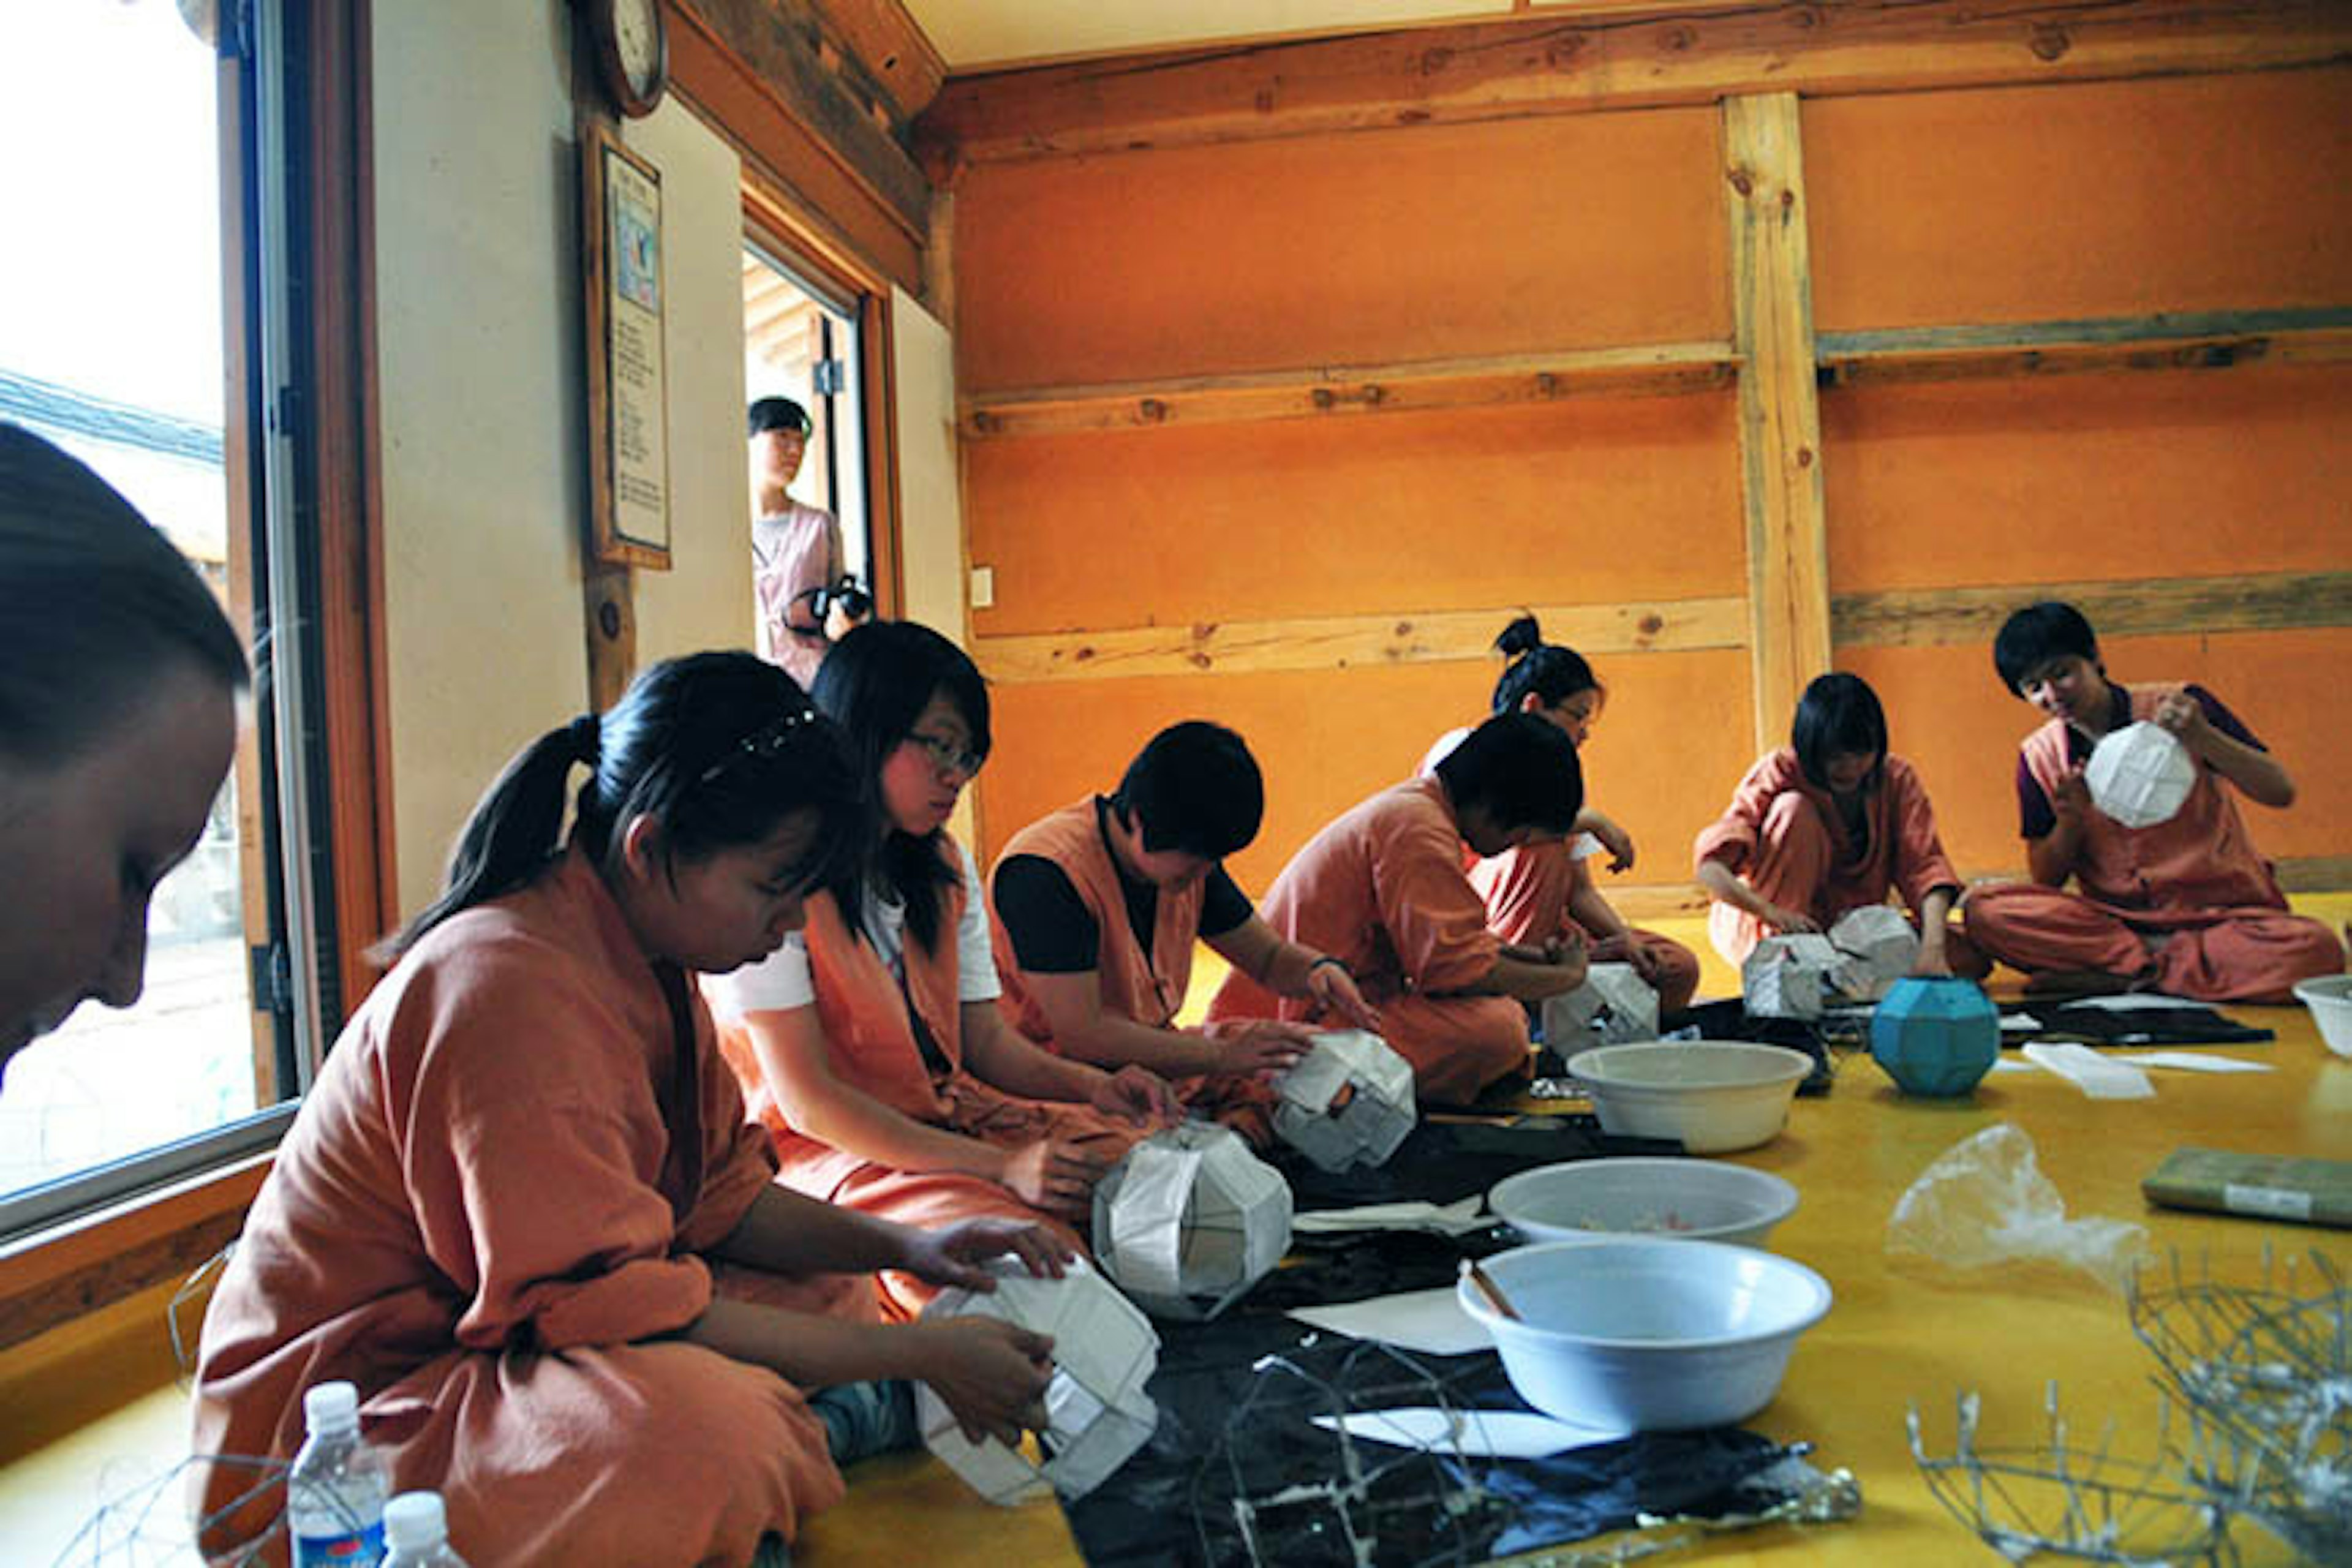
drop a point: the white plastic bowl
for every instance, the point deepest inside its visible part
(1715, 1095)
(1644, 1333)
(1683, 1200)
(2330, 1001)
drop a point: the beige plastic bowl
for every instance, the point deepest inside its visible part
(1715, 1095)
(2330, 1001)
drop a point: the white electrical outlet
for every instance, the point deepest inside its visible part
(983, 588)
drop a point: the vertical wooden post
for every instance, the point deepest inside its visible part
(1780, 414)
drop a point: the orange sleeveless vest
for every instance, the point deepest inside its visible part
(2202, 860)
(1146, 987)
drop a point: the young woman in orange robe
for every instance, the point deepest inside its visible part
(1829, 823)
(870, 1045)
(521, 1207)
(1382, 890)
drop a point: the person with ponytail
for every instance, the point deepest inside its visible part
(522, 1208)
(1544, 892)
(869, 1043)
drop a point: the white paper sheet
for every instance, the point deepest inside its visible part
(1431, 1321)
(1473, 1433)
(2191, 1061)
(2089, 1071)
(1445, 1219)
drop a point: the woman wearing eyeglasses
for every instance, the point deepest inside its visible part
(522, 1208)
(869, 1043)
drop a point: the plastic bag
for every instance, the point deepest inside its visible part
(1985, 1201)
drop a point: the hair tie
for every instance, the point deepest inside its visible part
(587, 738)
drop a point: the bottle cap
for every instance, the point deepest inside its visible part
(328, 1405)
(416, 1520)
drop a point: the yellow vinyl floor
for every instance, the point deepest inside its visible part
(1901, 1332)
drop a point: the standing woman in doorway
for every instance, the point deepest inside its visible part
(797, 556)
(870, 1044)
(118, 680)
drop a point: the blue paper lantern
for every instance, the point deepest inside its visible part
(1936, 1037)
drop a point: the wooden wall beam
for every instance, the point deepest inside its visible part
(1779, 411)
(1342, 642)
(2201, 341)
(1363, 389)
(1929, 617)
(1552, 64)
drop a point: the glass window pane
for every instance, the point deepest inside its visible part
(111, 344)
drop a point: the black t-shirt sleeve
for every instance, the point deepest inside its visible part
(1051, 929)
(1223, 905)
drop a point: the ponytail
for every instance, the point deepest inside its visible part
(718, 748)
(511, 836)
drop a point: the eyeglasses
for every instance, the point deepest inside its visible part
(768, 741)
(948, 756)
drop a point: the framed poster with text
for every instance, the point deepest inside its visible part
(628, 425)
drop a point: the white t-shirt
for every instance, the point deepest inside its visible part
(781, 981)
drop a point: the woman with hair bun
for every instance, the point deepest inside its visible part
(1544, 893)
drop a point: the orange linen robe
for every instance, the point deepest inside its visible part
(2195, 884)
(1149, 988)
(1382, 889)
(491, 1214)
(1526, 891)
(870, 1042)
(1783, 834)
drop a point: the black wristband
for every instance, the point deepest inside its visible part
(1338, 963)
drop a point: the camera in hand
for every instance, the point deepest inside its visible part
(854, 602)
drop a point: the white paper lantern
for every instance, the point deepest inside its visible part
(1377, 1084)
(2140, 774)
(1613, 1006)
(1882, 945)
(1190, 1220)
(1097, 1414)
(1793, 976)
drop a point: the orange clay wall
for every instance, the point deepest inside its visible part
(2115, 199)
(1608, 229)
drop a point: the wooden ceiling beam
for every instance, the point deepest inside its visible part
(1550, 63)
(894, 51)
(782, 53)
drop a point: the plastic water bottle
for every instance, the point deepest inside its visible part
(417, 1530)
(336, 1491)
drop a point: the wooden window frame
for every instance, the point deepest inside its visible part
(66, 1271)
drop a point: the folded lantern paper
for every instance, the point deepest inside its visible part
(1378, 1109)
(2140, 774)
(1190, 1220)
(1792, 976)
(1881, 944)
(1097, 1414)
(1613, 1006)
